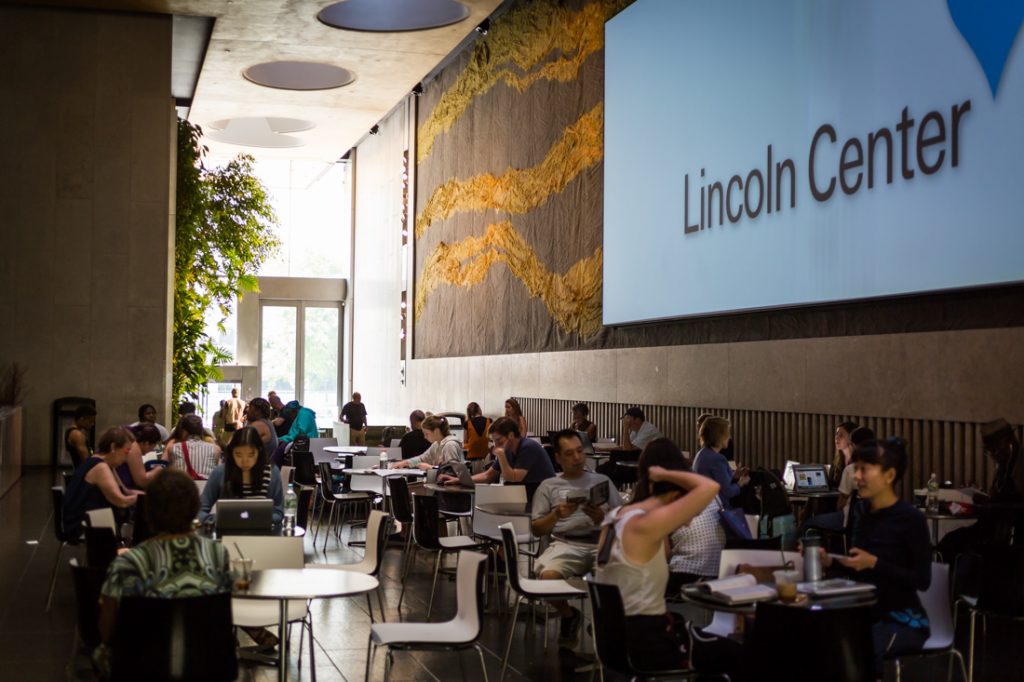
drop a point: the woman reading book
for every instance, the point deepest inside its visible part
(632, 549)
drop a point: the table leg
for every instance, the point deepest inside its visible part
(282, 636)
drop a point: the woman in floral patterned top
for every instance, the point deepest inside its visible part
(175, 563)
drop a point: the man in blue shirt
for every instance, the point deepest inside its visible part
(516, 459)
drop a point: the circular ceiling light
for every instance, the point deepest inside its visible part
(393, 15)
(259, 131)
(292, 75)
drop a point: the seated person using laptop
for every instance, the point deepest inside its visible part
(516, 459)
(245, 473)
(444, 447)
(891, 549)
(573, 502)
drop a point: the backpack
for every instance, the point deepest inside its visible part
(774, 499)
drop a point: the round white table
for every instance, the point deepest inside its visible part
(283, 584)
(346, 449)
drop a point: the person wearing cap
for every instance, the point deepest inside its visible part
(636, 430)
(414, 443)
(1001, 510)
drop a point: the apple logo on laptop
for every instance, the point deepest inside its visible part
(245, 514)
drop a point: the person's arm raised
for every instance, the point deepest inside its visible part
(659, 523)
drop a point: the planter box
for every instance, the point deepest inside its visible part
(10, 447)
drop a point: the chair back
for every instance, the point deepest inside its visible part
(774, 544)
(376, 537)
(426, 525)
(508, 541)
(732, 558)
(302, 517)
(286, 475)
(935, 601)
(1002, 591)
(326, 482)
(88, 580)
(486, 525)
(57, 498)
(101, 518)
(317, 445)
(835, 644)
(469, 586)
(367, 483)
(266, 551)
(401, 503)
(609, 626)
(365, 461)
(174, 639)
(305, 469)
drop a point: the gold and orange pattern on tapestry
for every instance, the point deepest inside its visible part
(509, 178)
(519, 190)
(573, 299)
(518, 51)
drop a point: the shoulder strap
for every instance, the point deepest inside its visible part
(188, 463)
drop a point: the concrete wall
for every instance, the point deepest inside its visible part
(971, 375)
(86, 174)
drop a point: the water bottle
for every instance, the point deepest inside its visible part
(812, 560)
(291, 505)
(932, 500)
(383, 459)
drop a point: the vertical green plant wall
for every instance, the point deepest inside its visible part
(225, 229)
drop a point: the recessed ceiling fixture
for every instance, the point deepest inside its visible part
(393, 15)
(295, 75)
(259, 131)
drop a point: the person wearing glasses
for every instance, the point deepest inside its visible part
(517, 459)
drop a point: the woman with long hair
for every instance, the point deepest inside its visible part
(444, 447)
(631, 553)
(515, 412)
(843, 453)
(245, 473)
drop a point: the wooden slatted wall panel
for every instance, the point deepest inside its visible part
(768, 439)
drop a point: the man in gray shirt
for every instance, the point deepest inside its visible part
(562, 508)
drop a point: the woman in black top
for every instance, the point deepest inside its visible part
(890, 549)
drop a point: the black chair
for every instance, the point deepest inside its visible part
(401, 511)
(427, 533)
(302, 517)
(834, 644)
(1000, 591)
(610, 637)
(140, 524)
(774, 543)
(100, 547)
(305, 468)
(57, 498)
(88, 580)
(329, 497)
(174, 639)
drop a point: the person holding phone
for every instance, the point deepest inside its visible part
(562, 505)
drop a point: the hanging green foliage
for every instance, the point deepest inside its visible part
(224, 231)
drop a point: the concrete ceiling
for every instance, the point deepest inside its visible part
(247, 32)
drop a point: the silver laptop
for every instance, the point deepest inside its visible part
(252, 516)
(462, 471)
(810, 478)
(588, 447)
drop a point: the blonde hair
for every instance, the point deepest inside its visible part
(714, 432)
(437, 422)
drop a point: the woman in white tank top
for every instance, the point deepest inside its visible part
(667, 497)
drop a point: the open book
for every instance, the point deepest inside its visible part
(596, 496)
(738, 589)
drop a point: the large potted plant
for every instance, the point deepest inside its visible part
(12, 392)
(224, 231)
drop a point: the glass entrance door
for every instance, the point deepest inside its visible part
(300, 354)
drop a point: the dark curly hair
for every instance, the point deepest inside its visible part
(172, 501)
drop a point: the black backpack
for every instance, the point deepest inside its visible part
(774, 499)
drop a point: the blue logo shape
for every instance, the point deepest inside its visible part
(990, 28)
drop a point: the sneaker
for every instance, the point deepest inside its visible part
(569, 630)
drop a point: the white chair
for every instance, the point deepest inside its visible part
(530, 589)
(462, 632)
(935, 601)
(286, 475)
(269, 552)
(395, 442)
(724, 624)
(753, 523)
(486, 525)
(317, 445)
(102, 518)
(376, 537)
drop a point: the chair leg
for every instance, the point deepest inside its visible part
(960, 658)
(371, 651)
(970, 650)
(899, 671)
(511, 631)
(369, 607)
(53, 578)
(380, 603)
(387, 665)
(433, 587)
(483, 664)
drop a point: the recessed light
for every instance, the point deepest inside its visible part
(393, 15)
(296, 75)
(259, 131)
